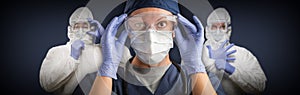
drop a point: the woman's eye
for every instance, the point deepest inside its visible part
(162, 24)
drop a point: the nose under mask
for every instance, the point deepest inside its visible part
(80, 35)
(218, 35)
(152, 47)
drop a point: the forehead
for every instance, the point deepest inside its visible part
(150, 10)
(151, 17)
(148, 16)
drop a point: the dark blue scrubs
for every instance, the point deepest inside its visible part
(172, 83)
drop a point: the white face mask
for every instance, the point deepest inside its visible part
(218, 35)
(151, 46)
(80, 34)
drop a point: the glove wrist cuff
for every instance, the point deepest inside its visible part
(229, 69)
(108, 69)
(193, 67)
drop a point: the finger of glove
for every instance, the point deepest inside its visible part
(230, 59)
(209, 50)
(94, 33)
(97, 41)
(221, 65)
(187, 24)
(120, 20)
(111, 27)
(228, 47)
(231, 52)
(223, 44)
(103, 37)
(198, 24)
(200, 30)
(78, 44)
(178, 35)
(122, 37)
(75, 55)
(92, 21)
(99, 26)
(218, 65)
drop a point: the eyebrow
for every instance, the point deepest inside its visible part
(160, 19)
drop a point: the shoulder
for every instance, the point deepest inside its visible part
(240, 49)
(58, 48)
(243, 51)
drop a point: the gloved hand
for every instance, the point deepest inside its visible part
(191, 47)
(112, 48)
(221, 57)
(98, 32)
(76, 48)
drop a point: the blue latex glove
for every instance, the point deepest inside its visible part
(98, 32)
(190, 47)
(221, 57)
(112, 48)
(76, 48)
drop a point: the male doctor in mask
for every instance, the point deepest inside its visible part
(236, 67)
(65, 66)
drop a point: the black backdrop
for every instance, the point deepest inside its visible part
(267, 28)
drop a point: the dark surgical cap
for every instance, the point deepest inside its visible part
(131, 5)
(169, 5)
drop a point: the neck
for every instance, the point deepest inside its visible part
(136, 62)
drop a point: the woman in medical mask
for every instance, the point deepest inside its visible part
(151, 26)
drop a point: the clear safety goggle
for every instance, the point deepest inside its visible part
(221, 26)
(85, 26)
(151, 21)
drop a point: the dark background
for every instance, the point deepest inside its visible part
(267, 28)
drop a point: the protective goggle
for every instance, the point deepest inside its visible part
(221, 26)
(85, 26)
(151, 21)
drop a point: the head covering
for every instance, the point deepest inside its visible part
(169, 5)
(128, 6)
(219, 14)
(80, 14)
